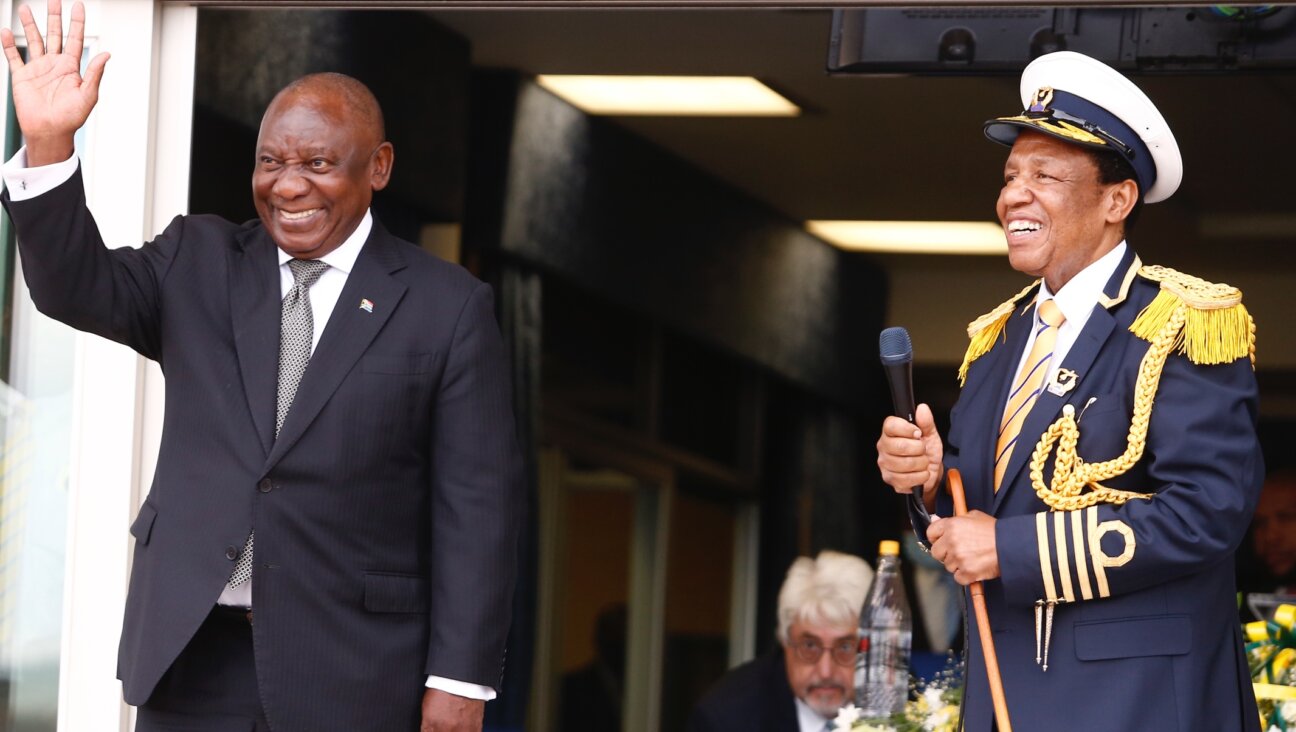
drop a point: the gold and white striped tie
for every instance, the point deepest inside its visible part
(1028, 385)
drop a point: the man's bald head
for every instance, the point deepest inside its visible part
(344, 94)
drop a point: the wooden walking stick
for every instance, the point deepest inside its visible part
(983, 619)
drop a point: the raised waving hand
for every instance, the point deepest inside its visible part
(51, 97)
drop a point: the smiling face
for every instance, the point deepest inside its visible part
(823, 685)
(1057, 217)
(318, 164)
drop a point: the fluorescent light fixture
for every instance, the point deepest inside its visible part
(718, 96)
(913, 237)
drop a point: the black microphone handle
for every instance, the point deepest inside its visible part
(900, 378)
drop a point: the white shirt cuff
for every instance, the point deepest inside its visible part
(24, 182)
(461, 688)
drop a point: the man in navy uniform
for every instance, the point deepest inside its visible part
(1105, 434)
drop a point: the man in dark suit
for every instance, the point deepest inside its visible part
(1105, 435)
(329, 542)
(801, 684)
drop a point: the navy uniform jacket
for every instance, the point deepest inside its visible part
(386, 510)
(1147, 636)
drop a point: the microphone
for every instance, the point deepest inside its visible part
(896, 351)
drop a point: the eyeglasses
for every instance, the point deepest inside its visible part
(809, 650)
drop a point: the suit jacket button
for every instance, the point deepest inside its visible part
(265, 486)
(231, 553)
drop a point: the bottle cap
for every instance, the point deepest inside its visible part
(889, 548)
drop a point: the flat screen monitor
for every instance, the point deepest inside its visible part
(1005, 39)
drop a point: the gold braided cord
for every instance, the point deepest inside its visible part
(1071, 475)
(986, 330)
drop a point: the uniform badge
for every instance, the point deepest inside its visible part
(1062, 381)
(1042, 100)
(366, 305)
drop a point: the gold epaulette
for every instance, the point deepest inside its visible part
(985, 330)
(1217, 327)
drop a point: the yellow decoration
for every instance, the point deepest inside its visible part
(987, 329)
(1257, 631)
(1281, 662)
(1217, 329)
(1285, 616)
(1275, 692)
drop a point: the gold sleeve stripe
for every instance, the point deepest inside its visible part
(1082, 568)
(1095, 551)
(1102, 562)
(1064, 561)
(1046, 561)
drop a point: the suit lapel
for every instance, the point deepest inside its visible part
(986, 397)
(254, 310)
(1079, 359)
(349, 332)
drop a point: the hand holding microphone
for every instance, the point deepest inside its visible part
(910, 452)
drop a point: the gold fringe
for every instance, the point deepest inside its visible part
(1154, 317)
(1217, 328)
(1218, 336)
(985, 330)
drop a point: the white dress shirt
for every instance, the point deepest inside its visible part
(25, 183)
(1076, 300)
(808, 720)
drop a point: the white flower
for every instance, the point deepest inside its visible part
(942, 719)
(1288, 711)
(846, 716)
(932, 695)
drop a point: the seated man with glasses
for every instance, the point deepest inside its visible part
(801, 684)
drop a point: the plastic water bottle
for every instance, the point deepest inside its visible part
(886, 632)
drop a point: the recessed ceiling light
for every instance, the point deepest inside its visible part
(913, 237)
(720, 96)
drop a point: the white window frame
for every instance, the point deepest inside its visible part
(136, 169)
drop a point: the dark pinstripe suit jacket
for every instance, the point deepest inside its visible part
(386, 511)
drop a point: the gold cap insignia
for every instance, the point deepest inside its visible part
(1043, 98)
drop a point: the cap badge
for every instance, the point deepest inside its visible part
(1043, 98)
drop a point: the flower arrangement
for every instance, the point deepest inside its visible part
(1271, 651)
(933, 707)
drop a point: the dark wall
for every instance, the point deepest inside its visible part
(585, 199)
(589, 203)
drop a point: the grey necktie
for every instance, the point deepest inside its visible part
(296, 333)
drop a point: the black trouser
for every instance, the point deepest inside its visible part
(212, 685)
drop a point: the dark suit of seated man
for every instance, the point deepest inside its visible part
(329, 542)
(800, 685)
